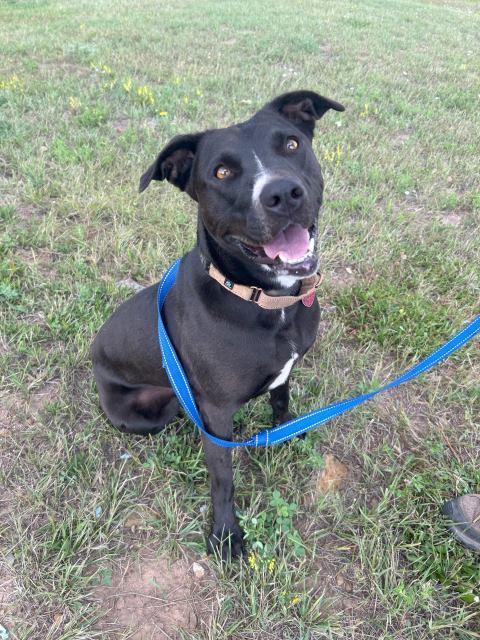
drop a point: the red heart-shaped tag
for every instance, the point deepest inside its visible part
(308, 300)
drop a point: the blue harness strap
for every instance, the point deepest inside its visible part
(296, 426)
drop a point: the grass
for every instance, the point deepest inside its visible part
(89, 93)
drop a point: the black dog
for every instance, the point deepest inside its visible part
(259, 189)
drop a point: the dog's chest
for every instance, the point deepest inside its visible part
(287, 345)
(233, 351)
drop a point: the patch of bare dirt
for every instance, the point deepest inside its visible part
(8, 592)
(6, 170)
(4, 348)
(42, 259)
(15, 409)
(342, 277)
(30, 212)
(10, 424)
(49, 67)
(8, 598)
(407, 403)
(11, 406)
(333, 579)
(450, 219)
(121, 125)
(41, 397)
(155, 598)
(12, 416)
(400, 139)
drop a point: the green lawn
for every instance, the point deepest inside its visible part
(91, 519)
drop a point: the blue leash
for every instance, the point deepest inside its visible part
(296, 426)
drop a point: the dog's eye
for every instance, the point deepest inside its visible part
(222, 172)
(292, 144)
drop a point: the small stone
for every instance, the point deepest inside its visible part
(343, 583)
(130, 284)
(133, 522)
(198, 571)
(348, 603)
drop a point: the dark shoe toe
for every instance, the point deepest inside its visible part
(464, 516)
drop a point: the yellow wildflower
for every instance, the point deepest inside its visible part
(12, 83)
(365, 111)
(333, 156)
(271, 565)
(127, 85)
(146, 95)
(109, 85)
(163, 113)
(106, 70)
(295, 600)
(252, 561)
(74, 104)
(102, 69)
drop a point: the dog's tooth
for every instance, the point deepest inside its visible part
(297, 260)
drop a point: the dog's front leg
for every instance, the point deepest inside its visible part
(226, 537)
(279, 399)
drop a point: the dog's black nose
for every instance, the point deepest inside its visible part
(282, 195)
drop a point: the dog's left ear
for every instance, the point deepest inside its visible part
(303, 108)
(174, 163)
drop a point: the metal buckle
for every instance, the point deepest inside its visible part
(255, 294)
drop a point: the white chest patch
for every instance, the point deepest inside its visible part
(286, 282)
(284, 373)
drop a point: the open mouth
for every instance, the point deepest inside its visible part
(290, 252)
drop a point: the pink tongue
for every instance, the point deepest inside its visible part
(289, 244)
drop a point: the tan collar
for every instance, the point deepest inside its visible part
(259, 297)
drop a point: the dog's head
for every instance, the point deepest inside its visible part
(258, 184)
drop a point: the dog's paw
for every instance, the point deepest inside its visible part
(226, 543)
(280, 418)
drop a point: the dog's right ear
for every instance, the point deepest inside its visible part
(303, 108)
(174, 163)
